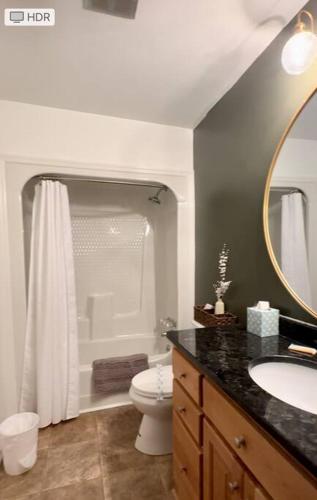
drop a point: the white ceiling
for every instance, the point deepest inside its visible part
(305, 127)
(169, 65)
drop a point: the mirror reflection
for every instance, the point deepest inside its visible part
(292, 207)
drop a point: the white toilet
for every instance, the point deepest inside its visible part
(151, 392)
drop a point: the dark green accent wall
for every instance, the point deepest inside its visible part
(233, 149)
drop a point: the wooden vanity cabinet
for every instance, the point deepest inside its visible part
(219, 453)
(187, 462)
(189, 413)
(252, 490)
(223, 474)
(187, 429)
(187, 376)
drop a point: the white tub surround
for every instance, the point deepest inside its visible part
(35, 140)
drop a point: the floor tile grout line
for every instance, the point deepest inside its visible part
(79, 481)
(72, 443)
(99, 437)
(44, 474)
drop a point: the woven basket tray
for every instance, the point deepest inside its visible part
(208, 318)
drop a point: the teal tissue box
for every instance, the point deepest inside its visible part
(263, 323)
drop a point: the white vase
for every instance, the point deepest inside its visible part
(219, 307)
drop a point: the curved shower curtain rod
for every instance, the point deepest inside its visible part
(288, 190)
(101, 181)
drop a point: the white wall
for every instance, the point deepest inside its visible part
(35, 140)
(40, 132)
(298, 158)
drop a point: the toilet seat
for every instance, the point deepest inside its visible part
(154, 383)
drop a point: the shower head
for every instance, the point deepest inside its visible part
(155, 198)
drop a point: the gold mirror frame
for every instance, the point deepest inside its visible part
(266, 210)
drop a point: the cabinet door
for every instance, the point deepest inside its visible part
(223, 475)
(186, 462)
(252, 490)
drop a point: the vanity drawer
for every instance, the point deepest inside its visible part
(188, 412)
(183, 487)
(187, 459)
(279, 475)
(187, 376)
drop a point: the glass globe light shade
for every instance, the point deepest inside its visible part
(299, 52)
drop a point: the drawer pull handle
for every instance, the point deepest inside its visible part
(233, 485)
(183, 469)
(239, 441)
(182, 375)
(181, 409)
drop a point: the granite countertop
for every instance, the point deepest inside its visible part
(223, 355)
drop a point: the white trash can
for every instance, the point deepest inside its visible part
(18, 442)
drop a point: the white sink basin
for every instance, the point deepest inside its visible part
(291, 380)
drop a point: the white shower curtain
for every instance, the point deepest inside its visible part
(294, 259)
(50, 382)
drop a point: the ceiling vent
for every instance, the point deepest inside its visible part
(119, 8)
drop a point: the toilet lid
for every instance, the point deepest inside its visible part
(154, 382)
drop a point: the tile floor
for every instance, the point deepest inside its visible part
(92, 457)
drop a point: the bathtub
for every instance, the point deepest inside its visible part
(158, 349)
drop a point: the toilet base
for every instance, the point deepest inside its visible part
(155, 436)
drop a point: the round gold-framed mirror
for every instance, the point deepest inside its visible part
(290, 207)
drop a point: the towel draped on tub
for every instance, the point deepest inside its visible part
(115, 374)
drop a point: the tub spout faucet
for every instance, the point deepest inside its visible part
(167, 324)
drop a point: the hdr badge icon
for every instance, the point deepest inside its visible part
(29, 17)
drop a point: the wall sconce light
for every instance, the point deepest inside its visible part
(300, 50)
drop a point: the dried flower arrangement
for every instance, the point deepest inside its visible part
(221, 286)
(208, 315)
